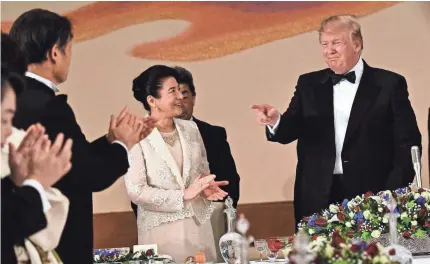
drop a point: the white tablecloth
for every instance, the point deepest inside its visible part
(420, 260)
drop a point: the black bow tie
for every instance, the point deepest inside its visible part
(336, 78)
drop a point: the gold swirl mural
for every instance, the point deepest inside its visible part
(216, 28)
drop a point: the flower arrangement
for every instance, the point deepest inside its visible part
(366, 217)
(336, 251)
(122, 256)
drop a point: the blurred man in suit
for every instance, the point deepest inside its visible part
(46, 40)
(353, 123)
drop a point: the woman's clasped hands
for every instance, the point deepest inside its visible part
(207, 187)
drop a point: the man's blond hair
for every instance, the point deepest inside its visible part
(343, 21)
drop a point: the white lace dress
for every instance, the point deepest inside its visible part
(179, 229)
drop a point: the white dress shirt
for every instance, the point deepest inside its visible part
(343, 97)
(43, 80)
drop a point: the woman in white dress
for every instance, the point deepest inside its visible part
(169, 176)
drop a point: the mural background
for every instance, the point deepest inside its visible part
(239, 54)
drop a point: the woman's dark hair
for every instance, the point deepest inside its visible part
(14, 79)
(37, 31)
(150, 82)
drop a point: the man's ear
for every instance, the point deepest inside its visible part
(194, 100)
(53, 53)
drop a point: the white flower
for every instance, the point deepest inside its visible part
(321, 239)
(385, 220)
(350, 204)
(366, 214)
(333, 208)
(348, 224)
(353, 222)
(404, 215)
(426, 196)
(381, 259)
(380, 209)
(351, 214)
(329, 250)
(414, 223)
(416, 195)
(375, 234)
(311, 231)
(334, 219)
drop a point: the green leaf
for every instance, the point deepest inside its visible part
(420, 233)
(366, 236)
(411, 204)
(340, 261)
(406, 220)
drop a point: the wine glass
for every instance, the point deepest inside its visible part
(274, 244)
(260, 245)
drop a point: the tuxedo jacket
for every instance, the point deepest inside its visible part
(95, 166)
(22, 216)
(376, 153)
(156, 184)
(221, 162)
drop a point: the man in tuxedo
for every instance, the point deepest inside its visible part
(33, 168)
(46, 40)
(221, 162)
(353, 123)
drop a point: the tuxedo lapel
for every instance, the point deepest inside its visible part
(324, 101)
(185, 139)
(366, 94)
(157, 142)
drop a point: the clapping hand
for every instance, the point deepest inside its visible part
(206, 185)
(49, 163)
(213, 192)
(266, 114)
(36, 159)
(198, 185)
(129, 129)
(20, 158)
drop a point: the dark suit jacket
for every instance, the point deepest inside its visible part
(95, 166)
(221, 162)
(376, 153)
(22, 216)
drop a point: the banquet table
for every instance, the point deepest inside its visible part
(254, 257)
